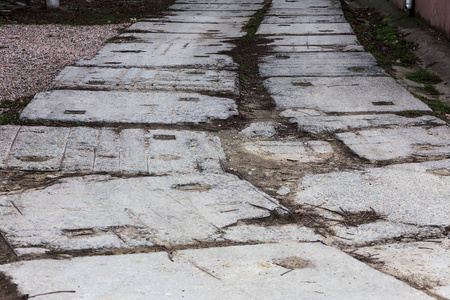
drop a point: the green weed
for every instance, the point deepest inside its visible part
(424, 77)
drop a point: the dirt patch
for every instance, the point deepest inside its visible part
(86, 12)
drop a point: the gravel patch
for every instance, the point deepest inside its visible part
(32, 55)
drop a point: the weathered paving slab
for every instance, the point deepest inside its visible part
(221, 1)
(325, 4)
(311, 11)
(314, 271)
(109, 150)
(216, 6)
(322, 124)
(226, 30)
(139, 60)
(144, 80)
(143, 211)
(172, 47)
(305, 29)
(216, 18)
(313, 43)
(398, 143)
(426, 264)
(303, 19)
(128, 107)
(270, 234)
(408, 193)
(320, 64)
(380, 232)
(309, 151)
(342, 94)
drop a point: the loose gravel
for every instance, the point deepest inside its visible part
(31, 56)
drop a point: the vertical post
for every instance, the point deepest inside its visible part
(51, 4)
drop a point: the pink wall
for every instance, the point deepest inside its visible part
(434, 12)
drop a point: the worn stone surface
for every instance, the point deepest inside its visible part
(342, 94)
(128, 107)
(314, 43)
(310, 11)
(228, 30)
(308, 151)
(147, 211)
(216, 6)
(240, 272)
(270, 234)
(408, 193)
(398, 143)
(320, 64)
(305, 29)
(303, 19)
(260, 129)
(380, 232)
(109, 150)
(322, 124)
(144, 80)
(308, 4)
(426, 264)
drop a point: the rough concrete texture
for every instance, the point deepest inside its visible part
(302, 152)
(407, 193)
(109, 150)
(270, 234)
(323, 124)
(314, 271)
(144, 80)
(260, 129)
(226, 30)
(314, 43)
(425, 264)
(342, 94)
(128, 107)
(398, 143)
(380, 232)
(305, 29)
(311, 11)
(308, 4)
(320, 64)
(216, 7)
(281, 20)
(146, 211)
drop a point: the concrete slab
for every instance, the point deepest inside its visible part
(315, 43)
(305, 29)
(260, 129)
(324, 4)
(320, 64)
(270, 234)
(129, 60)
(409, 193)
(221, 1)
(311, 11)
(381, 232)
(128, 107)
(107, 213)
(225, 18)
(314, 271)
(323, 124)
(108, 150)
(303, 19)
(216, 6)
(309, 151)
(426, 264)
(398, 143)
(144, 80)
(229, 30)
(171, 47)
(341, 94)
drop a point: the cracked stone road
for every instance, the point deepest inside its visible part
(158, 188)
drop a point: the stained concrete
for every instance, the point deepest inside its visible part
(128, 107)
(320, 64)
(310, 271)
(398, 143)
(425, 264)
(144, 80)
(342, 94)
(408, 193)
(145, 211)
(305, 29)
(303, 19)
(302, 152)
(156, 152)
(323, 124)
